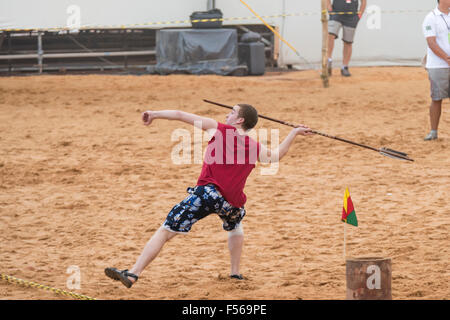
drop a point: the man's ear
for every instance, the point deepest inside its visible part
(240, 120)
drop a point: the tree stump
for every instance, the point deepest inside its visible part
(369, 278)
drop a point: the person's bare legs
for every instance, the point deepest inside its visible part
(435, 114)
(151, 250)
(235, 244)
(331, 39)
(347, 54)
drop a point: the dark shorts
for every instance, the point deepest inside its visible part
(201, 202)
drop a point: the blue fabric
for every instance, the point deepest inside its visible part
(201, 202)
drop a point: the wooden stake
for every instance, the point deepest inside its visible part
(324, 75)
(369, 278)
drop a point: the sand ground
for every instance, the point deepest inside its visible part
(83, 183)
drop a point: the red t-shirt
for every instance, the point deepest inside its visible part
(229, 159)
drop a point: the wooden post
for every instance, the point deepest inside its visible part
(276, 47)
(368, 278)
(324, 75)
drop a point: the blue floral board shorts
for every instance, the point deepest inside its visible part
(201, 202)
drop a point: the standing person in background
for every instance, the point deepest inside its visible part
(436, 29)
(343, 14)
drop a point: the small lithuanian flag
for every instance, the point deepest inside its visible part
(348, 211)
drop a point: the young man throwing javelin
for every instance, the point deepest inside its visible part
(230, 157)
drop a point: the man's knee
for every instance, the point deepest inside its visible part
(332, 36)
(167, 235)
(238, 231)
(436, 103)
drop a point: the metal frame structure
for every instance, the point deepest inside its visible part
(126, 50)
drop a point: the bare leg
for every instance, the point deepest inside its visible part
(235, 244)
(348, 48)
(151, 250)
(435, 114)
(331, 39)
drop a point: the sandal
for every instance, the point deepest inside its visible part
(121, 275)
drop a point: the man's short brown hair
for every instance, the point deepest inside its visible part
(249, 114)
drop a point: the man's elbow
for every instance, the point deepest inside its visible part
(431, 41)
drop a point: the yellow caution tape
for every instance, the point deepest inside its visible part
(175, 22)
(340, 13)
(26, 283)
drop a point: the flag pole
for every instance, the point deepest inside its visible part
(324, 20)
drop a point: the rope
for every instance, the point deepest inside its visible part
(277, 34)
(26, 283)
(137, 25)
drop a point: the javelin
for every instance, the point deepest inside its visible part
(383, 151)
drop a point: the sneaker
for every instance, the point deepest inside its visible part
(345, 72)
(431, 136)
(330, 67)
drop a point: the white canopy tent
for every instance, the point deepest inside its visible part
(388, 34)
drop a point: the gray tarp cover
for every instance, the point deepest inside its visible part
(196, 51)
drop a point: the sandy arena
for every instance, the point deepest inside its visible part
(84, 183)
